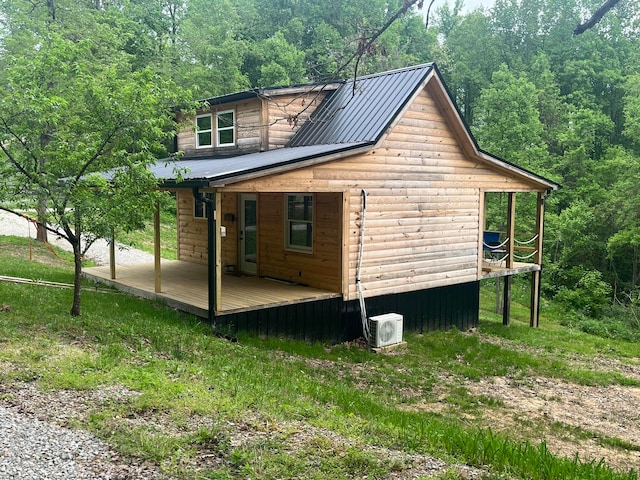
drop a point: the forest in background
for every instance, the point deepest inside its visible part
(564, 105)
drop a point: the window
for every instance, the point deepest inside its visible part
(299, 222)
(204, 131)
(226, 128)
(199, 207)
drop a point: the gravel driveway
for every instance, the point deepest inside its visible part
(99, 252)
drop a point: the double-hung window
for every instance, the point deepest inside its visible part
(299, 222)
(204, 131)
(225, 128)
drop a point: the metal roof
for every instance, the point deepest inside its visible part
(363, 112)
(216, 169)
(353, 117)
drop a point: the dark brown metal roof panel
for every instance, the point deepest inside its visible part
(361, 111)
(216, 169)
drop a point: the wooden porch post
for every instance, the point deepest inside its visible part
(112, 255)
(511, 228)
(534, 318)
(511, 231)
(506, 302)
(156, 249)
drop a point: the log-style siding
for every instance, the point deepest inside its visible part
(322, 267)
(287, 113)
(249, 126)
(192, 232)
(424, 200)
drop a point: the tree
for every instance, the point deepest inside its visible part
(67, 116)
(508, 121)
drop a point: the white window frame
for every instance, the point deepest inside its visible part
(209, 131)
(288, 221)
(231, 128)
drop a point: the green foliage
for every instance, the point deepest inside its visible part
(588, 296)
(73, 107)
(508, 121)
(274, 61)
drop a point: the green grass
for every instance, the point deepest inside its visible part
(143, 239)
(196, 395)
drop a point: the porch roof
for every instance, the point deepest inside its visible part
(211, 170)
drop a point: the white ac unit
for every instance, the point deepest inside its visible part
(385, 329)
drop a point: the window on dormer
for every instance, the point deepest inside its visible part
(204, 131)
(226, 128)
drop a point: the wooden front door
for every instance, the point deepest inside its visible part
(248, 233)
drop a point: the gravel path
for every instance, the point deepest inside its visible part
(99, 252)
(32, 449)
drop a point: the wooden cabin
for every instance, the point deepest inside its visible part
(300, 206)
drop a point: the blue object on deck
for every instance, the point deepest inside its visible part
(491, 243)
(490, 239)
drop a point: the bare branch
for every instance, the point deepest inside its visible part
(426, 22)
(35, 222)
(608, 5)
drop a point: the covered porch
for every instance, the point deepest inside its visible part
(505, 252)
(184, 286)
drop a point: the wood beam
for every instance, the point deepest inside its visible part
(534, 316)
(345, 232)
(511, 228)
(112, 255)
(506, 305)
(156, 249)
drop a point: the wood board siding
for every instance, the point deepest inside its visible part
(319, 269)
(229, 243)
(249, 130)
(261, 124)
(424, 200)
(192, 232)
(287, 113)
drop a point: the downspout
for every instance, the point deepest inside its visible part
(363, 309)
(211, 253)
(210, 208)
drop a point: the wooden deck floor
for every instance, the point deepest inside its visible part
(184, 286)
(498, 269)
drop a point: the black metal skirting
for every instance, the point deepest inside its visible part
(333, 320)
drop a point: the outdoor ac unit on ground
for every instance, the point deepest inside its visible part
(385, 329)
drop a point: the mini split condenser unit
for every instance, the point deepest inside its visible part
(385, 329)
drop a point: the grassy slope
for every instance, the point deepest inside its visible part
(197, 392)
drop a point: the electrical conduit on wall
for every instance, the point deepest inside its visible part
(363, 309)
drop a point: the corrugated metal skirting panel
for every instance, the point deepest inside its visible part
(333, 320)
(443, 308)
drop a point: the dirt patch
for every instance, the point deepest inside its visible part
(593, 422)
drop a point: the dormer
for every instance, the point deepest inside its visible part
(248, 122)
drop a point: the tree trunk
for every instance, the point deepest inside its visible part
(41, 235)
(76, 238)
(77, 279)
